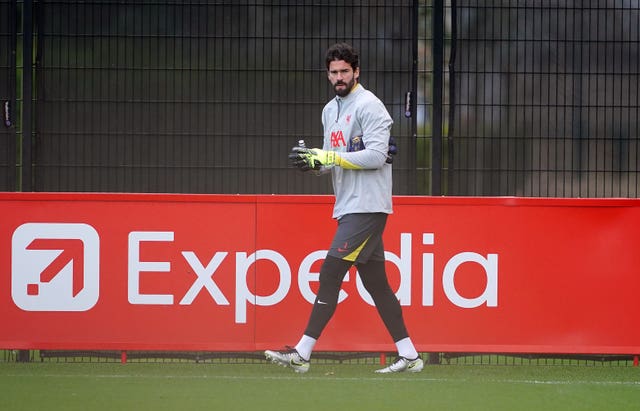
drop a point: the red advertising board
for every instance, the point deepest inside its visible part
(211, 272)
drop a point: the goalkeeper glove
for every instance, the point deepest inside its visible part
(312, 159)
(393, 150)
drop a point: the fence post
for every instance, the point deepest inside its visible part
(412, 100)
(27, 95)
(27, 106)
(452, 96)
(436, 120)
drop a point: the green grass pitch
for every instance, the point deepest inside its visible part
(327, 387)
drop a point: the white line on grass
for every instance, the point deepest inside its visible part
(394, 377)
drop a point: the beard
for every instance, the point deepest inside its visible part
(343, 92)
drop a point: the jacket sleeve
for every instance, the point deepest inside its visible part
(376, 124)
(362, 160)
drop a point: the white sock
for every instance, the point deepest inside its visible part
(406, 349)
(305, 346)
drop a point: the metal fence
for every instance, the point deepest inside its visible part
(8, 41)
(203, 97)
(510, 97)
(369, 358)
(547, 98)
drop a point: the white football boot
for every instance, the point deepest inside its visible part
(402, 364)
(289, 358)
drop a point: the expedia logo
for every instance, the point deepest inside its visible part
(55, 267)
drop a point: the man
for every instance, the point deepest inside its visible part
(356, 146)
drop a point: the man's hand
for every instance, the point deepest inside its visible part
(393, 150)
(312, 159)
(298, 161)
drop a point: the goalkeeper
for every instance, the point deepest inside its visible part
(357, 151)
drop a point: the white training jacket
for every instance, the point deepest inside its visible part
(366, 186)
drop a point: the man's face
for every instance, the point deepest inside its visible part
(342, 77)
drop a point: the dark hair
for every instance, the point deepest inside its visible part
(342, 51)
